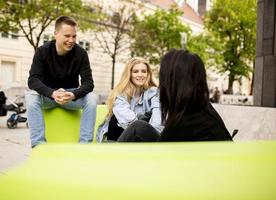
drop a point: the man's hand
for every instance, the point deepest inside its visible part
(57, 95)
(67, 97)
(62, 97)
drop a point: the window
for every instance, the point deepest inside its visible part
(81, 43)
(4, 35)
(7, 72)
(10, 36)
(46, 38)
(85, 45)
(14, 36)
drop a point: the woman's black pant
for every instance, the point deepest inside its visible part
(114, 131)
(139, 131)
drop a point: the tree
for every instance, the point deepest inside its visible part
(233, 23)
(205, 45)
(155, 34)
(32, 17)
(112, 34)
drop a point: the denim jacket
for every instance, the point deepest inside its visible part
(126, 112)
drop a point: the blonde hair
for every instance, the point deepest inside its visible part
(125, 86)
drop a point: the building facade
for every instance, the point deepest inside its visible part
(16, 53)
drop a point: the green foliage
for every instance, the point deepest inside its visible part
(155, 34)
(207, 47)
(32, 17)
(233, 23)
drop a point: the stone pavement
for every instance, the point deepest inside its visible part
(14, 145)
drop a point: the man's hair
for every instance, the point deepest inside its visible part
(65, 20)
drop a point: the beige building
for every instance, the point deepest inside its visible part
(16, 53)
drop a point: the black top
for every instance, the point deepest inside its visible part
(49, 71)
(204, 125)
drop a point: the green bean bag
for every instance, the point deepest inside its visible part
(203, 170)
(62, 125)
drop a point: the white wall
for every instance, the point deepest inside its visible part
(253, 123)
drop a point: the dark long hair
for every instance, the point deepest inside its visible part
(183, 85)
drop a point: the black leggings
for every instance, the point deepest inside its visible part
(114, 131)
(139, 131)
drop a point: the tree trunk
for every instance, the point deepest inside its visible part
(231, 80)
(252, 81)
(113, 72)
(35, 47)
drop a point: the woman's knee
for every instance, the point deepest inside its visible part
(139, 131)
(139, 124)
(145, 131)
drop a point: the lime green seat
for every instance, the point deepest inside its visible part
(62, 125)
(101, 114)
(203, 170)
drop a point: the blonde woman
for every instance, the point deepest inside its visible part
(135, 97)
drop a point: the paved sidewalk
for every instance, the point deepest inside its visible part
(14, 145)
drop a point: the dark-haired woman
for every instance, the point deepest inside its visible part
(184, 97)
